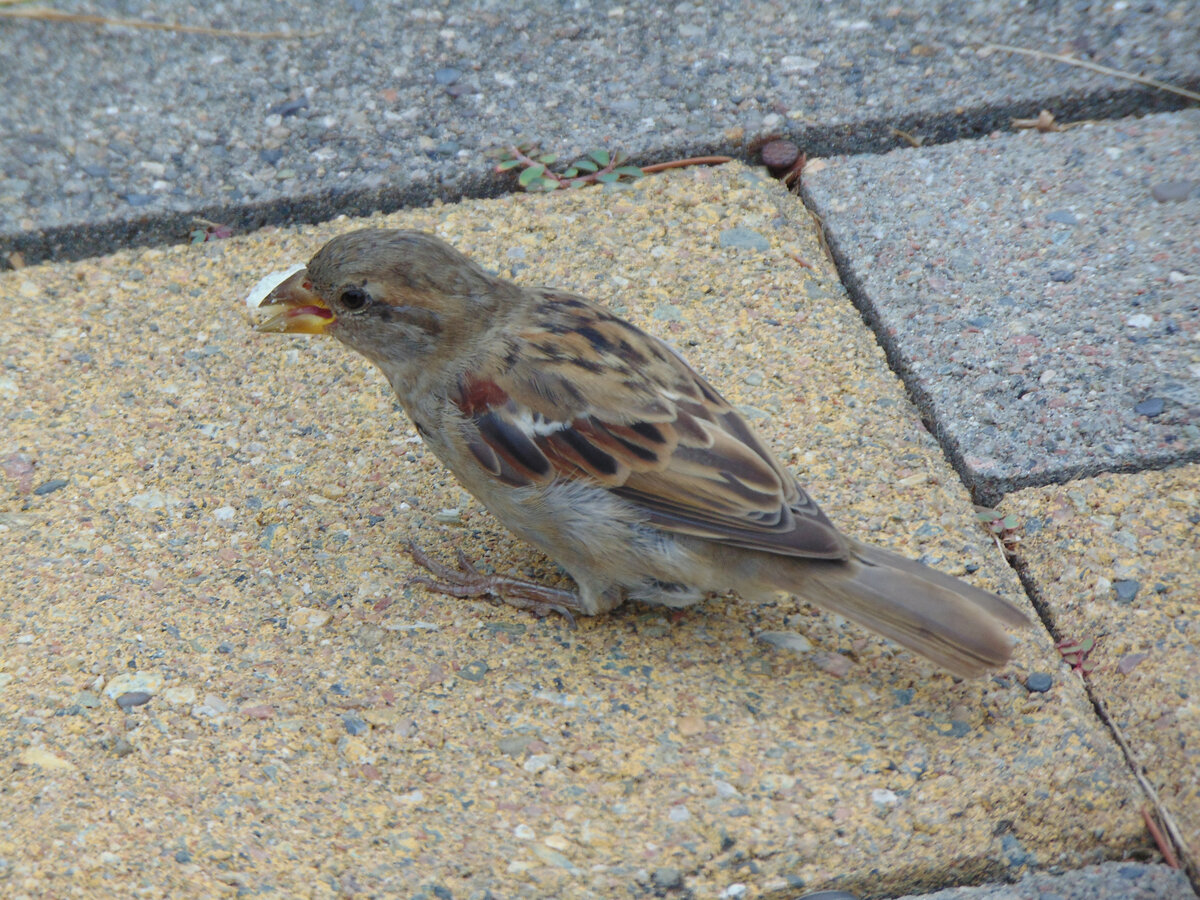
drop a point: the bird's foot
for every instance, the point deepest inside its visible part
(467, 581)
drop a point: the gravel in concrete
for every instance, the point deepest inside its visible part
(1116, 559)
(1043, 302)
(116, 136)
(225, 530)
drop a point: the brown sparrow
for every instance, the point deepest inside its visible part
(600, 445)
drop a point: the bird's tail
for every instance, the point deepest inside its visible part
(954, 624)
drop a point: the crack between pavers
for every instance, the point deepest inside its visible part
(1191, 866)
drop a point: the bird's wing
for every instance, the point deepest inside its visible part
(581, 393)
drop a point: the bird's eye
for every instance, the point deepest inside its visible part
(354, 298)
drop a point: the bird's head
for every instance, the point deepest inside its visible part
(403, 299)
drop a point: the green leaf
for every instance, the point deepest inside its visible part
(548, 158)
(987, 516)
(1011, 521)
(507, 164)
(607, 177)
(571, 172)
(1086, 645)
(629, 171)
(547, 184)
(600, 156)
(585, 165)
(579, 182)
(531, 174)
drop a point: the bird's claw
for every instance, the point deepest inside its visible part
(468, 581)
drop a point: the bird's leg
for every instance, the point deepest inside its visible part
(467, 581)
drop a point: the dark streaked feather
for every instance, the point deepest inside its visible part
(660, 437)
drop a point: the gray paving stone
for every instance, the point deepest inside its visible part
(1042, 303)
(1110, 881)
(116, 136)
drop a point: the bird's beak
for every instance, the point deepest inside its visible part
(295, 308)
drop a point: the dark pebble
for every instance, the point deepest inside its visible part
(95, 171)
(1150, 408)
(1039, 683)
(270, 157)
(338, 688)
(49, 487)
(1062, 216)
(354, 725)
(446, 148)
(374, 520)
(474, 671)
(1062, 275)
(224, 647)
(182, 856)
(779, 154)
(138, 199)
(289, 107)
(448, 75)
(130, 699)
(122, 747)
(1172, 191)
(1126, 591)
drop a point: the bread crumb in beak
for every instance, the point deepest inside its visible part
(268, 283)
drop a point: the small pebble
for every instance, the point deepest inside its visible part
(1039, 683)
(779, 154)
(130, 699)
(1150, 407)
(354, 725)
(288, 107)
(667, 878)
(1062, 276)
(49, 487)
(1063, 217)
(1126, 590)
(744, 239)
(448, 75)
(474, 671)
(1172, 191)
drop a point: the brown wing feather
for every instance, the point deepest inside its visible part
(589, 395)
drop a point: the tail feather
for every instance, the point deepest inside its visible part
(952, 623)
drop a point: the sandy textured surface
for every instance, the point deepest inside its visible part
(215, 519)
(1117, 560)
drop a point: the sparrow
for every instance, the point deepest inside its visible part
(600, 445)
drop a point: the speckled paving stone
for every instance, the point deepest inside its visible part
(227, 535)
(1117, 559)
(1039, 290)
(110, 132)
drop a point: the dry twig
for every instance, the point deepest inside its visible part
(1096, 67)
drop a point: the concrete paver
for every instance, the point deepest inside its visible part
(118, 136)
(215, 518)
(1116, 559)
(1039, 297)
